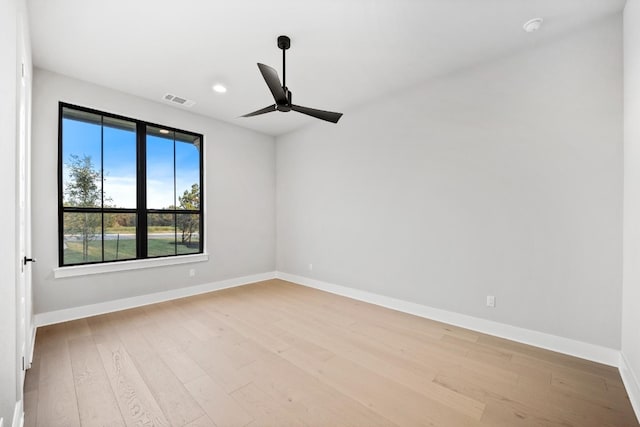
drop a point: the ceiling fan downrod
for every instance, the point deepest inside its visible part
(284, 43)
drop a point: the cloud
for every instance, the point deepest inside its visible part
(121, 190)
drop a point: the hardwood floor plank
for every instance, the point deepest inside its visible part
(96, 402)
(203, 421)
(218, 366)
(219, 406)
(386, 397)
(77, 329)
(248, 328)
(184, 367)
(137, 405)
(168, 390)
(31, 408)
(57, 400)
(264, 408)
(166, 334)
(177, 404)
(102, 329)
(309, 399)
(514, 415)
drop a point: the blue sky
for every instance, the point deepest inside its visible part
(81, 138)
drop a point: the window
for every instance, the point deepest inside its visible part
(126, 189)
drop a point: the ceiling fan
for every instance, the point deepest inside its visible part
(282, 94)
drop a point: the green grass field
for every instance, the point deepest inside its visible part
(125, 249)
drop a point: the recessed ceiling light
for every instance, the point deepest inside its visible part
(219, 88)
(532, 25)
(164, 131)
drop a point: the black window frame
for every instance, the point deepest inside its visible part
(141, 211)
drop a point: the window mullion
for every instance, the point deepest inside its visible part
(102, 183)
(175, 200)
(141, 182)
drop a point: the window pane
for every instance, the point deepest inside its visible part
(81, 159)
(120, 236)
(161, 238)
(160, 169)
(188, 235)
(188, 173)
(119, 165)
(82, 237)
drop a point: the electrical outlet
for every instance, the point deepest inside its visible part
(310, 267)
(192, 272)
(491, 301)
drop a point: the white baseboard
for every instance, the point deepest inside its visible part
(631, 383)
(18, 415)
(593, 352)
(51, 317)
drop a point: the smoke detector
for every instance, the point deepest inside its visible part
(178, 100)
(532, 25)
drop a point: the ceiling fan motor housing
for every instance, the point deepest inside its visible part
(285, 106)
(284, 42)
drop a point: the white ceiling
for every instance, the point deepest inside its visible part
(344, 53)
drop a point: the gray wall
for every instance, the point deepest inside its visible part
(504, 179)
(8, 252)
(239, 198)
(631, 287)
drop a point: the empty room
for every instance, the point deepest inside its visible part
(320, 213)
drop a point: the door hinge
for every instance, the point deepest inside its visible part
(23, 367)
(22, 70)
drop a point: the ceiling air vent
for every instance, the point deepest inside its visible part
(178, 100)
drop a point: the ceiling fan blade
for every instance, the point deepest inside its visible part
(273, 81)
(329, 116)
(264, 110)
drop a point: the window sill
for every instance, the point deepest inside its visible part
(85, 270)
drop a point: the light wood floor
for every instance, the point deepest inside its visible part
(278, 354)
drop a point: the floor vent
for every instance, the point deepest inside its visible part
(178, 100)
